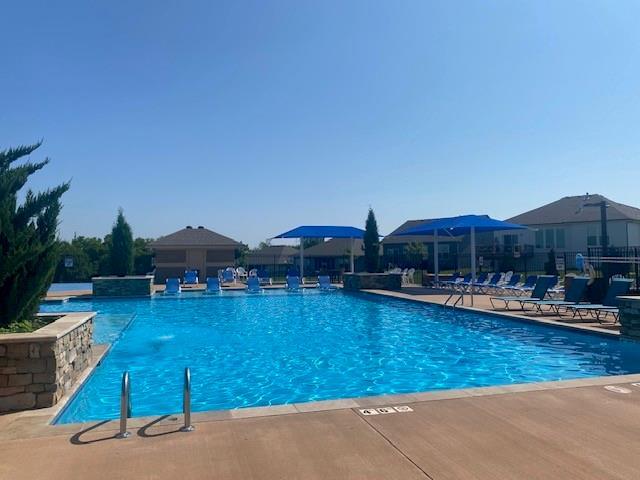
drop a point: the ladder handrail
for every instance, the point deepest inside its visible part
(125, 405)
(186, 402)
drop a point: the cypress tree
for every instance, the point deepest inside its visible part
(28, 244)
(371, 243)
(121, 249)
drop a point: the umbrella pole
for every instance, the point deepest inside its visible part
(436, 265)
(473, 261)
(351, 260)
(302, 259)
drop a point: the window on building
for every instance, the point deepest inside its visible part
(592, 236)
(560, 240)
(548, 238)
(539, 238)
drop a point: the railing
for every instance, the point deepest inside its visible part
(125, 405)
(186, 402)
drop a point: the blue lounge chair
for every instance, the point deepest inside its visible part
(457, 282)
(543, 284)
(229, 275)
(213, 285)
(491, 284)
(190, 277)
(172, 286)
(573, 296)
(513, 281)
(528, 285)
(609, 305)
(324, 283)
(253, 285)
(293, 283)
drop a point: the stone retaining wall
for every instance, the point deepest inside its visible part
(37, 369)
(133, 286)
(629, 316)
(372, 281)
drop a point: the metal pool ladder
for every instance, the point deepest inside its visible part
(458, 300)
(186, 402)
(125, 404)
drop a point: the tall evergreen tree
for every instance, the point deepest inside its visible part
(371, 243)
(28, 245)
(121, 249)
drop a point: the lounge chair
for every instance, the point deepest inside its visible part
(190, 277)
(609, 305)
(172, 286)
(512, 282)
(480, 280)
(455, 277)
(572, 296)
(491, 284)
(528, 285)
(229, 275)
(293, 283)
(543, 284)
(324, 283)
(213, 285)
(457, 282)
(253, 285)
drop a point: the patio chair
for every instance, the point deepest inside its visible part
(539, 291)
(410, 276)
(572, 296)
(253, 285)
(213, 285)
(241, 273)
(229, 275)
(293, 283)
(324, 283)
(190, 277)
(609, 305)
(172, 286)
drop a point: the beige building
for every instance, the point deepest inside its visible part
(193, 249)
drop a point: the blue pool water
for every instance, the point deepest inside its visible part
(277, 348)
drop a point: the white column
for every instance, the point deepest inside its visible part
(301, 259)
(351, 259)
(436, 264)
(473, 260)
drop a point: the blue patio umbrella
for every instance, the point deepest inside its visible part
(457, 226)
(322, 231)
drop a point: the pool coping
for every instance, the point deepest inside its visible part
(49, 415)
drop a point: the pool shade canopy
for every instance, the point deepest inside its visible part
(462, 225)
(322, 231)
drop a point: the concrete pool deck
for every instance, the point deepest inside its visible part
(567, 433)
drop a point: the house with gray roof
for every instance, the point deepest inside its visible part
(567, 225)
(191, 248)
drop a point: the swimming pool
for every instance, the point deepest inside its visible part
(278, 348)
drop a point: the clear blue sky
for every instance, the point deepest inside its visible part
(254, 117)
